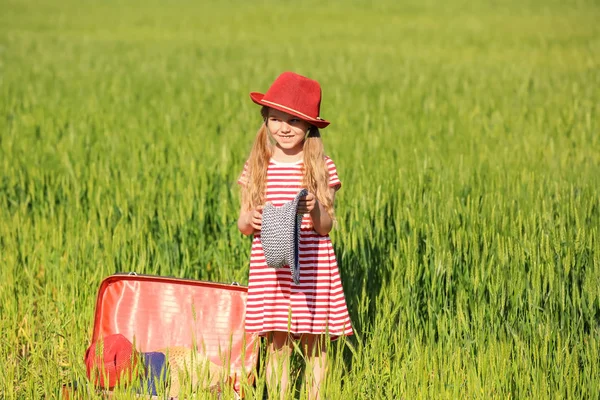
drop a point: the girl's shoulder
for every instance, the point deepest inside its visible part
(327, 159)
(329, 162)
(334, 179)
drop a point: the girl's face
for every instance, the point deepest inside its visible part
(287, 130)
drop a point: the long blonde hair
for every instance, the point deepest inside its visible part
(315, 172)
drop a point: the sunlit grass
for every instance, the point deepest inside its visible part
(466, 138)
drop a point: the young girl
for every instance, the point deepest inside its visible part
(287, 156)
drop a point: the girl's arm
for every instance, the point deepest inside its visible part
(250, 222)
(322, 222)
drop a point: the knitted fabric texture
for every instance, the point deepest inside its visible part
(280, 235)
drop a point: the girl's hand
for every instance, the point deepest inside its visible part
(255, 218)
(307, 203)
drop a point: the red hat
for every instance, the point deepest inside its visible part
(296, 95)
(117, 358)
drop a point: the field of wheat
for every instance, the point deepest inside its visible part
(466, 135)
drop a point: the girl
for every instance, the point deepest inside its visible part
(287, 156)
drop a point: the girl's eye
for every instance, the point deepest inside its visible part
(294, 121)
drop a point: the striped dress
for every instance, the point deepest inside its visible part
(316, 305)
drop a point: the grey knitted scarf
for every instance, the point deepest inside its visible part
(280, 235)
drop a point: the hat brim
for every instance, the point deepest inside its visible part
(258, 98)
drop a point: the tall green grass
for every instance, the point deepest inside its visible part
(466, 136)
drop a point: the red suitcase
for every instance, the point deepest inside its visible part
(160, 312)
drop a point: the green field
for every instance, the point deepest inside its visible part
(466, 135)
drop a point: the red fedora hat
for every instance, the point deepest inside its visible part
(296, 95)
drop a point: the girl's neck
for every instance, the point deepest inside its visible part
(283, 156)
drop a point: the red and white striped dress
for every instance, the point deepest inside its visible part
(317, 305)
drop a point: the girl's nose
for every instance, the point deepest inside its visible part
(285, 127)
